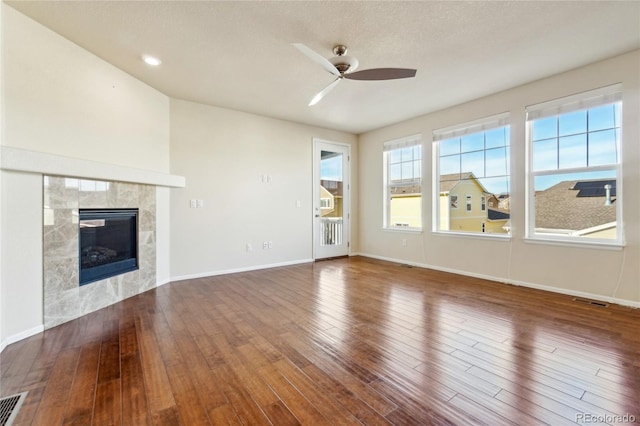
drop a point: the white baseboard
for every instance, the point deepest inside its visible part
(22, 335)
(163, 282)
(581, 294)
(236, 270)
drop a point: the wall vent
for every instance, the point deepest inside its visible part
(9, 407)
(591, 302)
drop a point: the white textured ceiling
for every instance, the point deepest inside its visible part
(239, 55)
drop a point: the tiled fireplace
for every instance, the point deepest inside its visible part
(64, 298)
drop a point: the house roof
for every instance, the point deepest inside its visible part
(562, 206)
(494, 214)
(334, 187)
(450, 181)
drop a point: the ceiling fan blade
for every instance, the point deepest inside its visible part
(324, 91)
(318, 58)
(381, 74)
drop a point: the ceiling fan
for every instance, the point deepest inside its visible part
(343, 66)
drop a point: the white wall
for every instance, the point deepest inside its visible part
(60, 99)
(1, 142)
(223, 154)
(603, 273)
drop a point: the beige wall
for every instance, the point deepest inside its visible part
(605, 273)
(59, 99)
(234, 150)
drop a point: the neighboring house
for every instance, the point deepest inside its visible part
(493, 202)
(578, 208)
(504, 202)
(466, 205)
(330, 198)
(405, 204)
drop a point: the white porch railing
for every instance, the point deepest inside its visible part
(330, 231)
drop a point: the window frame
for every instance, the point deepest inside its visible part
(388, 147)
(329, 203)
(452, 204)
(583, 101)
(482, 125)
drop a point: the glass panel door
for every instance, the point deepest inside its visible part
(331, 191)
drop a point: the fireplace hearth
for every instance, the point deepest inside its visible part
(108, 243)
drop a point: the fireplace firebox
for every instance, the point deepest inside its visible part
(108, 243)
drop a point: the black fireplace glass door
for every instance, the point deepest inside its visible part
(108, 243)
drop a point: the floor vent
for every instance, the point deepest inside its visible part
(591, 302)
(9, 407)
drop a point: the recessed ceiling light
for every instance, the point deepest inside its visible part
(150, 60)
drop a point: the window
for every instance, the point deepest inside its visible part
(574, 175)
(472, 162)
(403, 183)
(326, 203)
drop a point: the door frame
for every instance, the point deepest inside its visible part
(318, 144)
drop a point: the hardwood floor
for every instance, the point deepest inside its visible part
(345, 341)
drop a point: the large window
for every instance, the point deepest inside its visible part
(574, 178)
(403, 183)
(472, 165)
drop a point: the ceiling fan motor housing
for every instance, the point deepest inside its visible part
(344, 63)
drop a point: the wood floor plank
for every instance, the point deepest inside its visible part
(157, 385)
(303, 410)
(135, 410)
(345, 341)
(347, 381)
(331, 409)
(246, 409)
(82, 393)
(107, 408)
(54, 399)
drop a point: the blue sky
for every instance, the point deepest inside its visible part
(485, 154)
(331, 168)
(579, 139)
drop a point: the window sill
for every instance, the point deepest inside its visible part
(598, 244)
(476, 235)
(404, 230)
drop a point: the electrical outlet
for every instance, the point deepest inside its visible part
(249, 247)
(270, 244)
(193, 204)
(265, 245)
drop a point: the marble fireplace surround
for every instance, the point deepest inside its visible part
(74, 183)
(64, 299)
